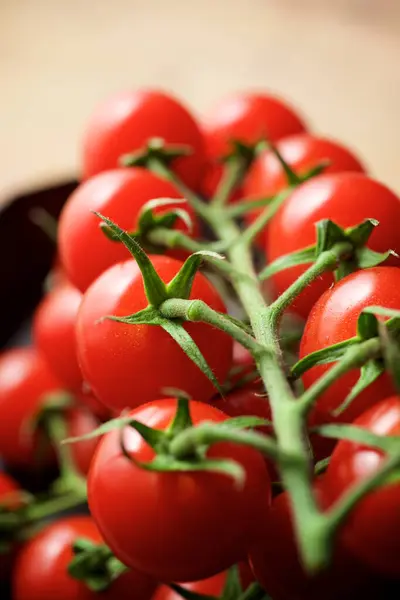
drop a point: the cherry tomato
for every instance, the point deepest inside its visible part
(24, 379)
(248, 117)
(277, 567)
(247, 400)
(302, 152)
(127, 365)
(54, 333)
(41, 571)
(334, 319)
(347, 199)
(180, 526)
(8, 501)
(372, 532)
(213, 586)
(128, 120)
(119, 194)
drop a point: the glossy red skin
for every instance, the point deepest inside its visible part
(79, 423)
(163, 523)
(276, 565)
(41, 570)
(334, 319)
(128, 120)
(247, 117)
(372, 532)
(213, 586)
(128, 365)
(120, 195)
(246, 400)
(302, 152)
(347, 199)
(8, 487)
(54, 333)
(24, 378)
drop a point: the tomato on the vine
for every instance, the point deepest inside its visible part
(128, 120)
(248, 117)
(127, 365)
(372, 530)
(245, 117)
(250, 399)
(345, 198)
(25, 380)
(41, 572)
(334, 319)
(162, 522)
(120, 195)
(213, 586)
(302, 153)
(54, 333)
(276, 563)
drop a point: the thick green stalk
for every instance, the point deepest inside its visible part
(288, 420)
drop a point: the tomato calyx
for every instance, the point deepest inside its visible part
(154, 153)
(233, 590)
(349, 245)
(95, 565)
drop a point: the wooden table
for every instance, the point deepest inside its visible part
(338, 61)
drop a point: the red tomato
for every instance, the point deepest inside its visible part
(24, 379)
(302, 152)
(54, 333)
(128, 365)
(213, 586)
(8, 500)
(347, 199)
(41, 571)
(246, 400)
(119, 194)
(248, 117)
(128, 120)
(334, 319)
(180, 526)
(372, 532)
(277, 567)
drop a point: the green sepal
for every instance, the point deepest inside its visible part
(369, 373)
(246, 152)
(367, 258)
(292, 179)
(318, 169)
(328, 234)
(181, 285)
(148, 220)
(155, 438)
(305, 256)
(367, 325)
(359, 435)
(190, 348)
(322, 357)
(390, 338)
(245, 422)
(182, 419)
(148, 316)
(321, 466)
(156, 149)
(233, 587)
(104, 428)
(155, 288)
(95, 565)
(165, 463)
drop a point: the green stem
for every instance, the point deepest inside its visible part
(232, 175)
(241, 208)
(197, 310)
(249, 235)
(355, 357)
(326, 261)
(193, 199)
(187, 442)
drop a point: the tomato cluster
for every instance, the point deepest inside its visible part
(165, 509)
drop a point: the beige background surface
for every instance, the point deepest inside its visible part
(337, 60)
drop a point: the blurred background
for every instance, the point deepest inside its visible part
(337, 61)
